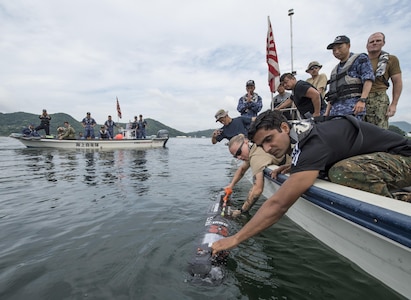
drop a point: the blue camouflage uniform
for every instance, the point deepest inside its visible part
(361, 68)
(250, 109)
(89, 123)
(110, 127)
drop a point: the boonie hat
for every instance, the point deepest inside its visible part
(220, 114)
(341, 39)
(313, 64)
(250, 82)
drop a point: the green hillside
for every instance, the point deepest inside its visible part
(404, 126)
(206, 133)
(15, 122)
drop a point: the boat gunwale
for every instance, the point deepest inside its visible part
(389, 223)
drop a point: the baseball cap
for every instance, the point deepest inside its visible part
(250, 82)
(220, 114)
(341, 39)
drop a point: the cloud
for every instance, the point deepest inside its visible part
(175, 61)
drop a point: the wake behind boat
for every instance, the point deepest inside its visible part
(372, 231)
(127, 142)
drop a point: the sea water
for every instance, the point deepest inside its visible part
(122, 225)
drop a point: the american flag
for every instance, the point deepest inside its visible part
(118, 109)
(272, 60)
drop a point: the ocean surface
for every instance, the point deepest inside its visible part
(124, 224)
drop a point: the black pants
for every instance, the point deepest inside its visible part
(45, 127)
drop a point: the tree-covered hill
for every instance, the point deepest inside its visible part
(404, 126)
(15, 122)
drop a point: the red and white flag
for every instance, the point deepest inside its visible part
(118, 109)
(272, 60)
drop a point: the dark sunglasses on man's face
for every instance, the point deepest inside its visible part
(239, 151)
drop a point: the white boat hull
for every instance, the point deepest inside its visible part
(92, 144)
(372, 231)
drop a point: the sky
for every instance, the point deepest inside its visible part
(179, 61)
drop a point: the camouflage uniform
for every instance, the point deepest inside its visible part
(378, 100)
(342, 108)
(376, 173)
(377, 109)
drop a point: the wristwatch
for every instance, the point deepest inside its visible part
(363, 100)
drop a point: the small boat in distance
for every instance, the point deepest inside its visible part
(127, 142)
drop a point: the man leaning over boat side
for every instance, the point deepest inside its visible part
(256, 158)
(305, 96)
(104, 134)
(232, 126)
(335, 145)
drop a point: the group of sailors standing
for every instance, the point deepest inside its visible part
(106, 131)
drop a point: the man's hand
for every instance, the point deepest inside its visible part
(236, 213)
(217, 132)
(224, 244)
(391, 110)
(358, 108)
(280, 170)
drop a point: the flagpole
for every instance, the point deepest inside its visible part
(290, 14)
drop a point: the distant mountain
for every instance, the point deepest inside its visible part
(404, 126)
(206, 133)
(15, 122)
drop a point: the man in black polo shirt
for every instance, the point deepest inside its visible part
(306, 97)
(381, 160)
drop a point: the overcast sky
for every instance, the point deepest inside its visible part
(176, 61)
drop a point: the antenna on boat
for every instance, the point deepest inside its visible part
(290, 14)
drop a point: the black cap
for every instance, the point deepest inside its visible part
(341, 39)
(250, 83)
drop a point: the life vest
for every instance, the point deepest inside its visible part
(342, 85)
(104, 135)
(109, 123)
(382, 66)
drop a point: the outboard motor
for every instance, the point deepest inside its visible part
(204, 268)
(162, 133)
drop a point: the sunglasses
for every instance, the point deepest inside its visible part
(239, 151)
(313, 68)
